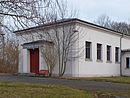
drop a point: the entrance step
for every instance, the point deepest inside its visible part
(31, 75)
(26, 74)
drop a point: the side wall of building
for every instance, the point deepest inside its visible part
(24, 54)
(125, 70)
(93, 67)
(125, 46)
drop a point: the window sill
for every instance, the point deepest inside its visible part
(100, 61)
(117, 62)
(127, 68)
(86, 59)
(108, 61)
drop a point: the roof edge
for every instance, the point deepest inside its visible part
(48, 24)
(69, 20)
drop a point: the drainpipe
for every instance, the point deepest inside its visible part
(121, 53)
(76, 31)
(3, 45)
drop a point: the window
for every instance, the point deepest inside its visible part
(88, 50)
(99, 51)
(117, 54)
(127, 62)
(108, 53)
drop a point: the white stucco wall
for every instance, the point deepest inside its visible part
(125, 43)
(20, 65)
(92, 68)
(79, 66)
(42, 63)
(125, 46)
(24, 61)
(24, 54)
(125, 71)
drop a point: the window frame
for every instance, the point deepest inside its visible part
(99, 52)
(109, 55)
(127, 64)
(117, 52)
(88, 56)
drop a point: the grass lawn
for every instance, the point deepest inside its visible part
(24, 90)
(124, 93)
(119, 93)
(106, 79)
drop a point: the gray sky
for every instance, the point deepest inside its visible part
(118, 10)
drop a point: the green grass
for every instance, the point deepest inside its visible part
(124, 93)
(113, 79)
(106, 79)
(24, 90)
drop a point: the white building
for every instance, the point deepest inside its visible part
(100, 50)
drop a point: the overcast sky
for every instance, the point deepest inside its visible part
(118, 10)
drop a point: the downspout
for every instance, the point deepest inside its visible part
(76, 31)
(121, 53)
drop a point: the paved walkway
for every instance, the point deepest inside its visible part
(80, 84)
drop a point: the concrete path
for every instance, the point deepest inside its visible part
(80, 84)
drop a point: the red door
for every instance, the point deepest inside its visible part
(34, 60)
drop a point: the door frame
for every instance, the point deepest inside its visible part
(32, 60)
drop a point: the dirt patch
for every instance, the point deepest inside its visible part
(101, 95)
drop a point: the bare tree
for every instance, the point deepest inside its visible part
(15, 15)
(105, 21)
(63, 37)
(10, 63)
(30, 13)
(121, 27)
(50, 56)
(23, 13)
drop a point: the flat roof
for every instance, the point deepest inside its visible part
(65, 21)
(38, 41)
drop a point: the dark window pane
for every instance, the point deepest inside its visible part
(108, 53)
(117, 54)
(127, 62)
(88, 50)
(99, 51)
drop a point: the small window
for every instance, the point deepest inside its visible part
(88, 50)
(108, 53)
(117, 54)
(127, 62)
(99, 51)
